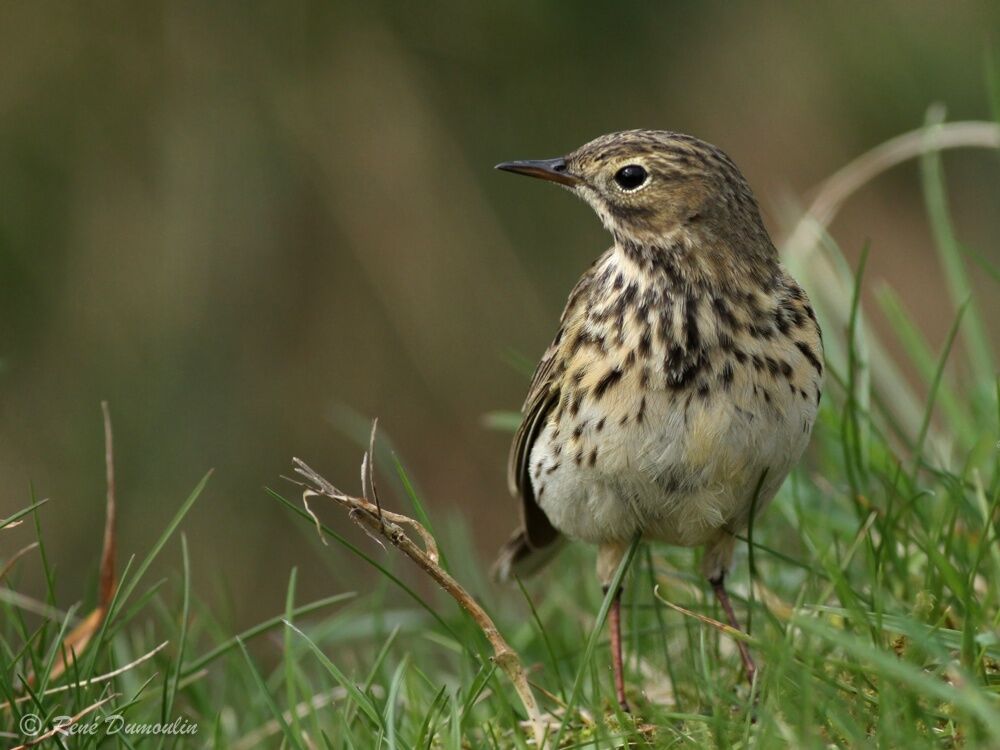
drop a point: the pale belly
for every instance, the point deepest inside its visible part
(683, 470)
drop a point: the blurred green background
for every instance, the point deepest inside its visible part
(248, 225)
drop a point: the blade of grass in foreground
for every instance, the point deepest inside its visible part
(359, 698)
(259, 629)
(595, 636)
(390, 702)
(540, 627)
(977, 341)
(291, 697)
(851, 439)
(50, 584)
(170, 684)
(372, 673)
(290, 736)
(418, 507)
(963, 694)
(123, 590)
(21, 514)
(919, 351)
(935, 383)
(427, 726)
(160, 543)
(58, 650)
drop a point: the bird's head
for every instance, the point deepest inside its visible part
(649, 185)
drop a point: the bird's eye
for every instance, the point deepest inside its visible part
(631, 176)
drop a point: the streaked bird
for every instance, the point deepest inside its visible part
(684, 381)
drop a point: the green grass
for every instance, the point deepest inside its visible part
(872, 587)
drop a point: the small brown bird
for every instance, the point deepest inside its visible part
(684, 380)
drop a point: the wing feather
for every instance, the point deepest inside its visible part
(543, 395)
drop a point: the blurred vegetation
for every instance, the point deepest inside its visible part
(249, 226)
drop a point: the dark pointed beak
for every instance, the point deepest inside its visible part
(553, 170)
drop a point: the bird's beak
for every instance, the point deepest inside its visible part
(553, 170)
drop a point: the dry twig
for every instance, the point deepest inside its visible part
(64, 728)
(109, 554)
(380, 523)
(92, 681)
(78, 638)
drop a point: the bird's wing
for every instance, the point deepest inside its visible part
(543, 394)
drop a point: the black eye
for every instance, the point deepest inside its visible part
(630, 177)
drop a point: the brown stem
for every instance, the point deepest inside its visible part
(378, 522)
(109, 554)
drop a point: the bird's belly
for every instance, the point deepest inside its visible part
(675, 466)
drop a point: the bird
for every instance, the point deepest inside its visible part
(685, 378)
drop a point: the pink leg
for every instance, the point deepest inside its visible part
(615, 624)
(719, 587)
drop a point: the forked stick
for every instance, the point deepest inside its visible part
(378, 522)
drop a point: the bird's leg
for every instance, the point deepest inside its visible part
(615, 626)
(609, 556)
(719, 587)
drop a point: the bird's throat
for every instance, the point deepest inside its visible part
(684, 262)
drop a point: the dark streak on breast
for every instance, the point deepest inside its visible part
(810, 355)
(609, 379)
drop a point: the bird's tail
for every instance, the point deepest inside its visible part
(518, 558)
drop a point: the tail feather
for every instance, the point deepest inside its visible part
(518, 558)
